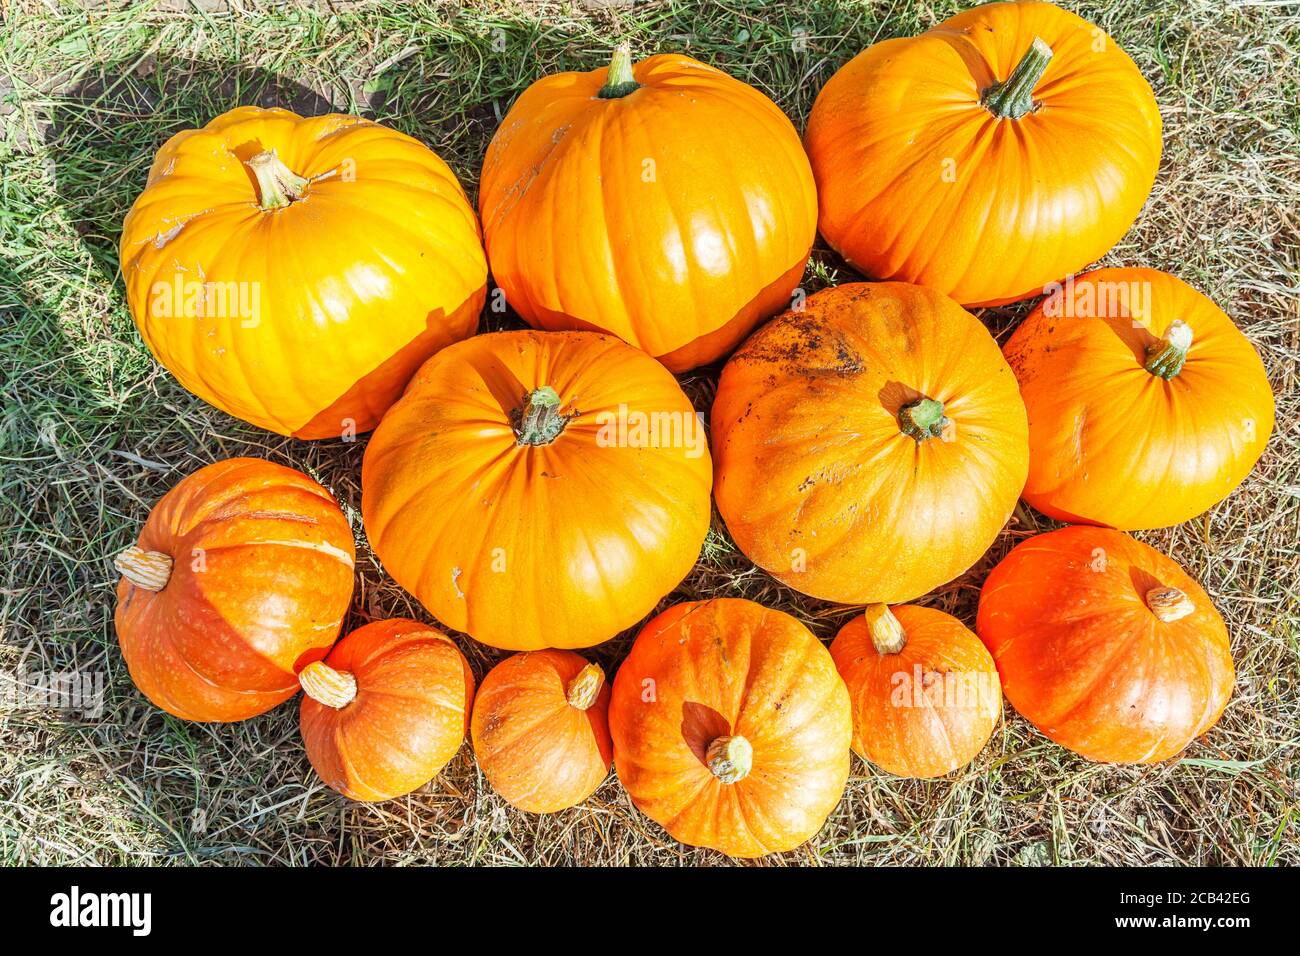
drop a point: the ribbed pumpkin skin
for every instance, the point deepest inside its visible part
(1109, 442)
(261, 581)
(1085, 660)
(414, 695)
(816, 481)
(729, 666)
(929, 734)
(537, 750)
(374, 269)
(521, 546)
(917, 180)
(682, 265)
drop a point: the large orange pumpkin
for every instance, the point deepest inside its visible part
(1146, 404)
(924, 689)
(240, 577)
(870, 446)
(667, 203)
(540, 730)
(1003, 149)
(294, 272)
(731, 727)
(539, 489)
(1106, 645)
(386, 710)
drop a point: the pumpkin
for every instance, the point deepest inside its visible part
(731, 727)
(1004, 148)
(240, 577)
(1106, 645)
(1146, 404)
(294, 272)
(540, 730)
(386, 710)
(622, 201)
(924, 689)
(869, 447)
(538, 489)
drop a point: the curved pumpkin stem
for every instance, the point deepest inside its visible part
(277, 184)
(618, 78)
(730, 758)
(585, 687)
(1169, 604)
(887, 635)
(922, 419)
(1166, 357)
(327, 686)
(1014, 97)
(539, 420)
(150, 570)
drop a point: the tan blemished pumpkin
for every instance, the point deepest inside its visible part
(924, 689)
(667, 203)
(386, 710)
(1106, 645)
(870, 446)
(731, 727)
(1147, 406)
(540, 729)
(295, 271)
(240, 577)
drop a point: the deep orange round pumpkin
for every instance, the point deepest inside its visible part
(294, 272)
(240, 577)
(1106, 645)
(1003, 149)
(386, 710)
(539, 489)
(667, 203)
(731, 727)
(869, 447)
(1147, 406)
(925, 691)
(540, 730)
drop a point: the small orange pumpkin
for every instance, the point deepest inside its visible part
(386, 710)
(240, 577)
(924, 689)
(1106, 645)
(731, 727)
(540, 730)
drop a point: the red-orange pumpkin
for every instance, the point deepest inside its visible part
(924, 689)
(1106, 645)
(386, 710)
(240, 577)
(540, 729)
(731, 727)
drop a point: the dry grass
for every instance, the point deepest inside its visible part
(93, 433)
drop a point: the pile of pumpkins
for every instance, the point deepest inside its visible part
(543, 490)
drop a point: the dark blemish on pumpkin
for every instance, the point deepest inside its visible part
(807, 483)
(804, 347)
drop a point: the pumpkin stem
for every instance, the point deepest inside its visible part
(886, 633)
(150, 570)
(277, 184)
(585, 687)
(1169, 604)
(618, 78)
(327, 686)
(1166, 357)
(539, 420)
(922, 419)
(730, 758)
(1014, 97)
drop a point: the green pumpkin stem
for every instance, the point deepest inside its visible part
(618, 79)
(1014, 97)
(1165, 358)
(922, 419)
(277, 184)
(539, 420)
